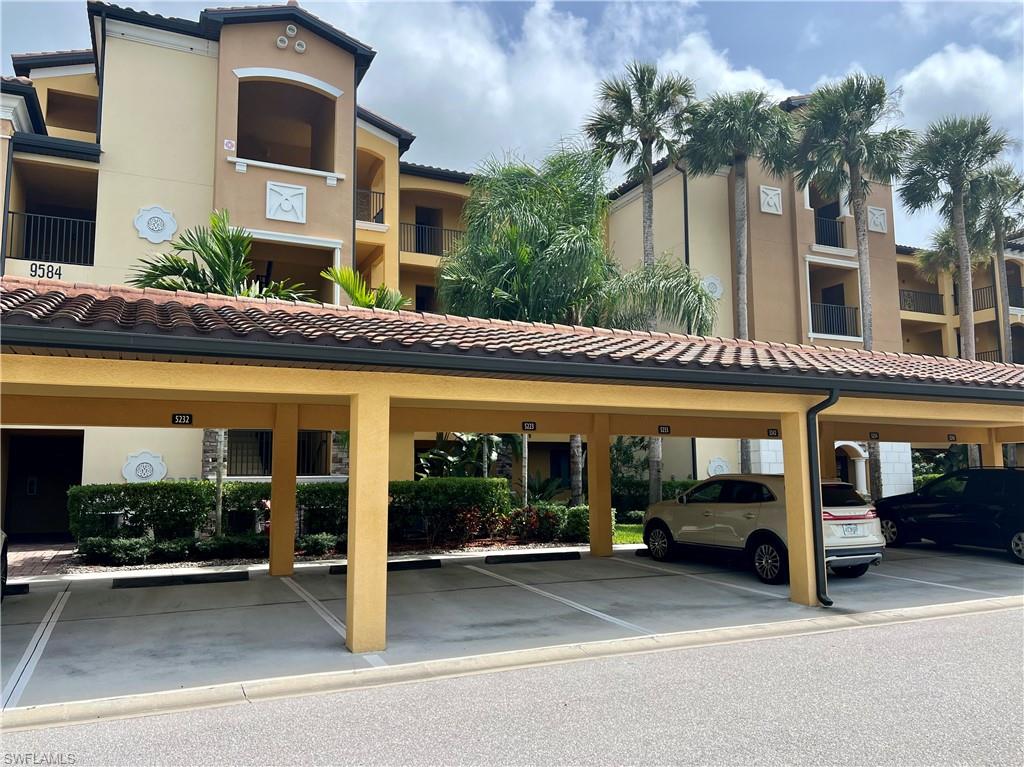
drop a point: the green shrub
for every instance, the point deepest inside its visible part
(176, 550)
(923, 479)
(114, 551)
(540, 521)
(324, 506)
(673, 488)
(173, 509)
(243, 506)
(631, 518)
(629, 493)
(232, 547)
(446, 510)
(576, 527)
(316, 544)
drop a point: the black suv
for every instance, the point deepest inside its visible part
(980, 507)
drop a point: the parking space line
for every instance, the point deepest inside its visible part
(27, 665)
(699, 578)
(329, 618)
(562, 600)
(940, 585)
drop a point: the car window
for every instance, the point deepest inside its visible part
(985, 485)
(841, 495)
(742, 492)
(709, 493)
(946, 487)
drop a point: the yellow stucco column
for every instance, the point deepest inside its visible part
(991, 452)
(366, 581)
(799, 534)
(599, 486)
(282, 489)
(827, 449)
(402, 458)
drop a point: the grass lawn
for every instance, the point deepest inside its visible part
(629, 534)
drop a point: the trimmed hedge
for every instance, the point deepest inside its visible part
(170, 509)
(447, 510)
(632, 493)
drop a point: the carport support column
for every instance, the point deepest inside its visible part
(827, 449)
(799, 533)
(366, 581)
(992, 451)
(282, 489)
(599, 486)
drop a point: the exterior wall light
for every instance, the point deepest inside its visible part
(282, 42)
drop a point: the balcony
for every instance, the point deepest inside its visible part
(921, 301)
(829, 232)
(988, 356)
(54, 239)
(834, 320)
(432, 240)
(370, 206)
(984, 298)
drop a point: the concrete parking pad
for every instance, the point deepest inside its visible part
(105, 642)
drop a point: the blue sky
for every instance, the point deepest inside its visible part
(479, 79)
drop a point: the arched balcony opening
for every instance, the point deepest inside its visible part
(285, 124)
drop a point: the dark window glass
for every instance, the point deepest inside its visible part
(946, 487)
(250, 453)
(425, 298)
(986, 485)
(766, 494)
(709, 493)
(744, 492)
(841, 495)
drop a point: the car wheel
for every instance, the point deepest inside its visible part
(770, 560)
(1016, 547)
(852, 571)
(892, 532)
(659, 541)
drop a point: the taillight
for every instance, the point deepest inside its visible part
(828, 516)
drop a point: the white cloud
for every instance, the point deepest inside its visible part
(696, 57)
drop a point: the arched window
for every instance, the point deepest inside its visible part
(286, 124)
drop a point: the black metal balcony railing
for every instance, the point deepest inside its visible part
(834, 320)
(829, 231)
(51, 238)
(988, 356)
(417, 238)
(984, 298)
(1016, 295)
(921, 301)
(250, 453)
(370, 206)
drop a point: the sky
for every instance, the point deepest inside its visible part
(474, 80)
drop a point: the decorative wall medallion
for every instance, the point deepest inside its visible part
(718, 466)
(144, 467)
(877, 220)
(229, 144)
(713, 285)
(155, 224)
(286, 202)
(771, 200)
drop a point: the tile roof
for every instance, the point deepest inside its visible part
(433, 171)
(463, 343)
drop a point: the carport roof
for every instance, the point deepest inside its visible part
(135, 322)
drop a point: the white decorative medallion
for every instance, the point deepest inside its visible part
(286, 202)
(877, 220)
(718, 466)
(155, 224)
(771, 200)
(144, 467)
(713, 285)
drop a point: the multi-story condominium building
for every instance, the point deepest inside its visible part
(108, 154)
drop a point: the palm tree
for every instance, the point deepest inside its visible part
(640, 116)
(953, 153)
(943, 257)
(534, 250)
(842, 148)
(218, 263)
(730, 129)
(997, 202)
(360, 294)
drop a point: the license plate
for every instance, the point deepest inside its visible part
(849, 531)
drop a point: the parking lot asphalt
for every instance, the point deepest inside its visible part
(71, 639)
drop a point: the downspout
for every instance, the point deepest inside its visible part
(681, 167)
(815, 466)
(7, 202)
(101, 72)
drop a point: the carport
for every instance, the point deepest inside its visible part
(84, 355)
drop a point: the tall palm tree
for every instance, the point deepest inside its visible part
(953, 153)
(534, 250)
(942, 256)
(729, 129)
(997, 202)
(213, 259)
(360, 294)
(842, 148)
(640, 116)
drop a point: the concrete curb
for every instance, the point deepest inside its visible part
(146, 704)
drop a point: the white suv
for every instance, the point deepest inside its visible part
(747, 513)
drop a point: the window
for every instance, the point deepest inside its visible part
(250, 453)
(841, 495)
(425, 298)
(72, 111)
(946, 487)
(744, 492)
(285, 124)
(709, 493)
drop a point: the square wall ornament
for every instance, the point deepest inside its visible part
(771, 200)
(878, 220)
(286, 202)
